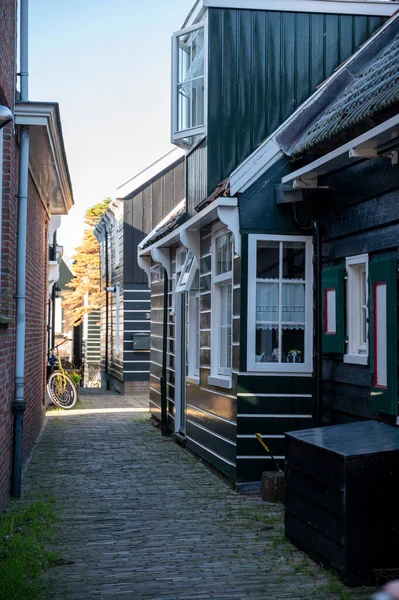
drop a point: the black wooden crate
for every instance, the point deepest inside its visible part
(341, 504)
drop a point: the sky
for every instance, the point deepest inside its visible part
(107, 63)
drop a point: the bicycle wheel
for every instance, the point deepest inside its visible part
(62, 390)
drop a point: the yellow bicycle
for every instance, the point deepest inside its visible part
(60, 386)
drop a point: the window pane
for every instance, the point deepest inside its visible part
(293, 345)
(225, 326)
(267, 302)
(266, 343)
(293, 260)
(267, 257)
(190, 74)
(223, 254)
(293, 302)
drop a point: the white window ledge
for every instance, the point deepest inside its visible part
(356, 359)
(193, 380)
(223, 382)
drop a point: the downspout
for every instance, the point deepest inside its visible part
(19, 404)
(53, 257)
(107, 381)
(318, 355)
(164, 413)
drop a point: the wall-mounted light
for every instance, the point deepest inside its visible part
(111, 288)
(5, 116)
(57, 292)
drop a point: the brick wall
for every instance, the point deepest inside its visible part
(36, 275)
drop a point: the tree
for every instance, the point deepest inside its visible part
(86, 268)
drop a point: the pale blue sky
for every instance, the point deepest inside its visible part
(107, 63)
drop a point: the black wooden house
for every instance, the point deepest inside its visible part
(125, 295)
(232, 321)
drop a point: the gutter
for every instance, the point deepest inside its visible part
(19, 404)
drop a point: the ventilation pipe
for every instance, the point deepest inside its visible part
(19, 404)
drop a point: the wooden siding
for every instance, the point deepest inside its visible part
(136, 319)
(211, 411)
(262, 66)
(197, 188)
(271, 406)
(144, 209)
(157, 300)
(361, 217)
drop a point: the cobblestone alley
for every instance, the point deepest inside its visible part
(142, 519)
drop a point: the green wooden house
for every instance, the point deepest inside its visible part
(232, 332)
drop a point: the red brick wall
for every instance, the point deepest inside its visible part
(37, 283)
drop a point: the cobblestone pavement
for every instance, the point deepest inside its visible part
(142, 519)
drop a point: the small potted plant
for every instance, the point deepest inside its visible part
(294, 356)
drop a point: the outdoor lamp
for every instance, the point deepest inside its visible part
(5, 116)
(57, 292)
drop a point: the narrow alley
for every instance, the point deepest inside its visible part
(140, 518)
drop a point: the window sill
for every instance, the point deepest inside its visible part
(223, 382)
(193, 380)
(356, 359)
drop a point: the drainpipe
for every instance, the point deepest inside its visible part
(318, 355)
(107, 381)
(164, 414)
(53, 257)
(19, 404)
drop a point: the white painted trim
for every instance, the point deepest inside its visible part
(118, 319)
(191, 240)
(285, 368)
(162, 257)
(265, 456)
(251, 416)
(250, 395)
(357, 351)
(177, 137)
(342, 7)
(265, 436)
(144, 263)
(272, 374)
(223, 382)
(230, 217)
(340, 157)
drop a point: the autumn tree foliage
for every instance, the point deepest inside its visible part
(86, 269)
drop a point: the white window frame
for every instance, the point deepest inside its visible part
(186, 279)
(356, 352)
(176, 276)
(180, 137)
(193, 354)
(252, 365)
(220, 376)
(117, 318)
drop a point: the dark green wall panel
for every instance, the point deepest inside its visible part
(262, 66)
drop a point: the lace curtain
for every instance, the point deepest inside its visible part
(293, 305)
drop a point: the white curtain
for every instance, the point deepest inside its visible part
(293, 305)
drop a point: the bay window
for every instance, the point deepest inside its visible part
(279, 304)
(357, 310)
(222, 308)
(189, 84)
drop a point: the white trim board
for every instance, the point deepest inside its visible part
(342, 7)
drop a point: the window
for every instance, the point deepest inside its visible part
(193, 349)
(187, 274)
(279, 304)
(222, 308)
(357, 311)
(181, 254)
(189, 83)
